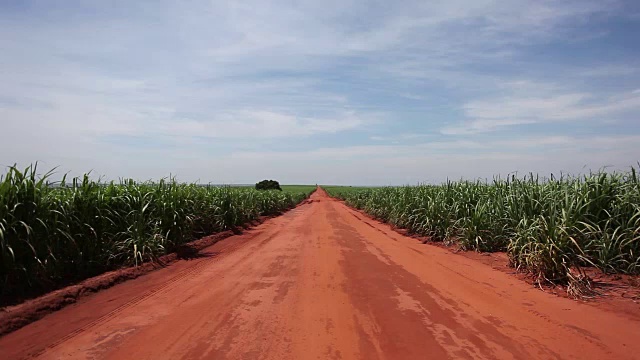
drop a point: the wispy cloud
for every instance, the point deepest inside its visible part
(260, 124)
(524, 107)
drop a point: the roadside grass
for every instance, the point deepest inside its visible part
(346, 189)
(55, 233)
(306, 189)
(551, 228)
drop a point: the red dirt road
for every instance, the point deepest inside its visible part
(324, 282)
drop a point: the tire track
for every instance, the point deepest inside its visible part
(169, 284)
(163, 288)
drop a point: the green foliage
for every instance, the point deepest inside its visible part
(307, 189)
(547, 227)
(51, 234)
(268, 185)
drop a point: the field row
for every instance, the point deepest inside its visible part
(52, 234)
(549, 227)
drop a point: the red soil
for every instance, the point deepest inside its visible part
(325, 282)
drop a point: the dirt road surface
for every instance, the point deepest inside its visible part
(325, 282)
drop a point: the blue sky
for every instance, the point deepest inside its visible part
(341, 92)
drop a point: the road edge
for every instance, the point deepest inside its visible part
(17, 316)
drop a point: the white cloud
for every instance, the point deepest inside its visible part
(519, 109)
(437, 161)
(518, 145)
(260, 124)
(611, 70)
